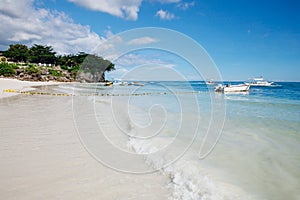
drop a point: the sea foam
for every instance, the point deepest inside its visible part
(187, 180)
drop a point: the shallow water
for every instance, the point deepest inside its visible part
(257, 156)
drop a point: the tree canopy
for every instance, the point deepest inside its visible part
(17, 52)
(71, 60)
(42, 54)
(36, 54)
(95, 65)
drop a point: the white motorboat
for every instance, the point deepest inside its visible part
(121, 83)
(259, 82)
(210, 82)
(232, 88)
(136, 84)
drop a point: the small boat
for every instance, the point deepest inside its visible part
(232, 88)
(210, 82)
(106, 83)
(136, 84)
(121, 83)
(259, 82)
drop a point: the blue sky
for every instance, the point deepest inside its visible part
(244, 38)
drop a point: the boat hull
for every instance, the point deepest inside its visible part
(232, 88)
(259, 82)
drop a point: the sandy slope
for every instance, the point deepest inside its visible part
(6, 83)
(42, 158)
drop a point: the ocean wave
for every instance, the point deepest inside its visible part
(187, 180)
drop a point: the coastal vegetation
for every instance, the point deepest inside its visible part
(6, 69)
(40, 63)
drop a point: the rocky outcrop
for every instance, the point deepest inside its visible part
(37, 73)
(33, 72)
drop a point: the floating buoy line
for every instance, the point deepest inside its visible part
(97, 94)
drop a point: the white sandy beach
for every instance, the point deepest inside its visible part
(7, 83)
(42, 158)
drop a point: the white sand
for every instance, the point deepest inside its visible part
(6, 83)
(42, 158)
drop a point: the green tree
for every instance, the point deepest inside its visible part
(17, 52)
(80, 57)
(62, 60)
(71, 60)
(97, 66)
(42, 54)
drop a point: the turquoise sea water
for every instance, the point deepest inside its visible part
(257, 155)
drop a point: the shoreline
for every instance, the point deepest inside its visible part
(43, 148)
(15, 84)
(39, 134)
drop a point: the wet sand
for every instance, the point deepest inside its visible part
(7, 83)
(42, 157)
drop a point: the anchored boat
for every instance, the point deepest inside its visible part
(232, 88)
(259, 82)
(210, 82)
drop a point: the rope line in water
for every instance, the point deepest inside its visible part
(98, 94)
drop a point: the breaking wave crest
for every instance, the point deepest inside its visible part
(187, 180)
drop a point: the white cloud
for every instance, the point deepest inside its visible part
(110, 46)
(127, 9)
(133, 60)
(29, 25)
(165, 15)
(117, 74)
(167, 1)
(108, 33)
(15, 9)
(142, 41)
(151, 72)
(186, 5)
